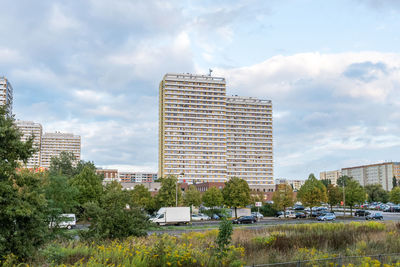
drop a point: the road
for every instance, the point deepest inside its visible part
(202, 225)
(207, 225)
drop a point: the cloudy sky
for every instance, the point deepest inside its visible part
(331, 68)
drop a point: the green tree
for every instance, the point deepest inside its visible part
(23, 213)
(343, 180)
(283, 197)
(61, 196)
(312, 193)
(141, 197)
(89, 187)
(65, 164)
(114, 215)
(394, 181)
(326, 182)
(354, 193)
(192, 197)
(236, 193)
(376, 193)
(395, 195)
(213, 198)
(166, 196)
(334, 195)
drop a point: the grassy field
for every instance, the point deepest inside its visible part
(279, 243)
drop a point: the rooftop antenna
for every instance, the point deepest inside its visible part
(209, 72)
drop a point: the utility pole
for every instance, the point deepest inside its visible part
(344, 200)
(176, 193)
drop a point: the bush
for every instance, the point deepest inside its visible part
(266, 210)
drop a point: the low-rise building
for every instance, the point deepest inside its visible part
(137, 177)
(109, 175)
(153, 187)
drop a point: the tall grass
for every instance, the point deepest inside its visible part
(284, 243)
(280, 243)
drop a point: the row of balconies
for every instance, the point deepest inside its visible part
(195, 93)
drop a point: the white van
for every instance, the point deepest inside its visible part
(67, 220)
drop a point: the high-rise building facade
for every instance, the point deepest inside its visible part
(206, 137)
(380, 173)
(249, 139)
(6, 94)
(55, 143)
(333, 176)
(29, 129)
(192, 127)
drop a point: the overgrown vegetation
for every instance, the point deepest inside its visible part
(281, 243)
(284, 243)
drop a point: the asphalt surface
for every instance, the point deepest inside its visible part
(200, 226)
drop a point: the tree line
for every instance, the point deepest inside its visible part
(349, 191)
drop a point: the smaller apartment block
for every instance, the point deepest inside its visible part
(55, 143)
(381, 173)
(333, 176)
(29, 129)
(6, 94)
(296, 184)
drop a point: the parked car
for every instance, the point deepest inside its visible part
(215, 217)
(327, 217)
(244, 219)
(361, 213)
(319, 213)
(298, 207)
(300, 215)
(279, 213)
(200, 217)
(64, 221)
(374, 216)
(257, 215)
(289, 214)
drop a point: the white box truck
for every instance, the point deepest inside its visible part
(172, 215)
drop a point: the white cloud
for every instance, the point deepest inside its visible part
(60, 21)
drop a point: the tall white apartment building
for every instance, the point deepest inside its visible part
(333, 176)
(29, 129)
(192, 137)
(380, 173)
(54, 143)
(206, 137)
(249, 139)
(6, 94)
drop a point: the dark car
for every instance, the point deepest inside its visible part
(375, 216)
(244, 219)
(361, 213)
(298, 207)
(300, 215)
(279, 213)
(319, 213)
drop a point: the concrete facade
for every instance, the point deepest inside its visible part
(380, 173)
(29, 129)
(6, 94)
(205, 136)
(333, 176)
(55, 143)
